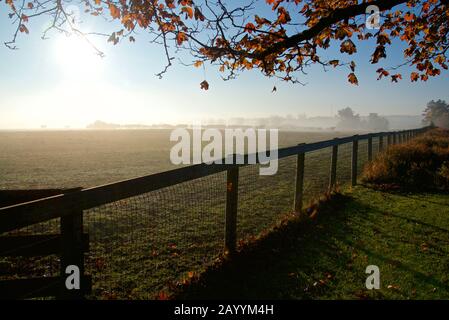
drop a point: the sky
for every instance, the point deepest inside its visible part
(60, 82)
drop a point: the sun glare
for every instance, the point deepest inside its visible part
(77, 58)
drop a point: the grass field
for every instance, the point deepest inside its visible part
(56, 159)
(152, 243)
(405, 234)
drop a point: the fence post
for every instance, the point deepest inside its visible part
(232, 191)
(394, 138)
(333, 169)
(72, 253)
(381, 143)
(370, 149)
(355, 148)
(299, 181)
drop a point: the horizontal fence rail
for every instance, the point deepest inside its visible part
(72, 205)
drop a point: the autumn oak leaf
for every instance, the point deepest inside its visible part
(204, 85)
(199, 15)
(414, 76)
(198, 63)
(334, 63)
(115, 12)
(23, 28)
(352, 78)
(188, 11)
(249, 27)
(348, 47)
(181, 37)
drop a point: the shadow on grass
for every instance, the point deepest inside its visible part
(411, 193)
(315, 259)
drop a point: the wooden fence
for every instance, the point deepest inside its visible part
(72, 242)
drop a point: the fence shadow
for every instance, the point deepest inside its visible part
(303, 260)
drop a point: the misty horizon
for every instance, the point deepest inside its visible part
(299, 120)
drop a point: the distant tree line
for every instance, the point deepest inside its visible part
(349, 120)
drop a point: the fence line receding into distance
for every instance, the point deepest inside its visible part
(140, 237)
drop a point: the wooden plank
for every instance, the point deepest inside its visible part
(38, 287)
(35, 245)
(370, 149)
(72, 251)
(355, 150)
(333, 168)
(12, 197)
(232, 191)
(299, 183)
(22, 215)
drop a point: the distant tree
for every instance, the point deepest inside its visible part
(437, 113)
(348, 120)
(376, 123)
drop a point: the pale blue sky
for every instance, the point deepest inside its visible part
(44, 82)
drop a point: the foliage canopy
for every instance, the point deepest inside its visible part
(278, 37)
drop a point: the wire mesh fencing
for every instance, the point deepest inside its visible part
(316, 174)
(263, 200)
(144, 246)
(362, 157)
(344, 164)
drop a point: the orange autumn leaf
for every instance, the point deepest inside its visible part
(409, 17)
(199, 15)
(334, 63)
(249, 27)
(115, 12)
(204, 85)
(414, 76)
(181, 37)
(352, 78)
(396, 77)
(24, 29)
(348, 47)
(284, 16)
(198, 63)
(188, 11)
